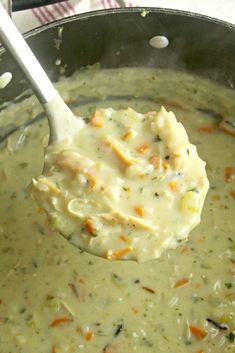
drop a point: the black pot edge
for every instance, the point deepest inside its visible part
(90, 14)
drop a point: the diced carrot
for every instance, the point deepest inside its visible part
(97, 119)
(172, 104)
(173, 185)
(197, 332)
(135, 311)
(118, 254)
(89, 335)
(207, 129)
(123, 238)
(177, 105)
(165, 166)
(89, 226)
(232, 193)
(182, 283)
(127, 135)
(185, 250)
(60, 321)
(139, 211)
(156, 162)
(228, 174)
(143, 148)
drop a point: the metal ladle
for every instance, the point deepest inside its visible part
(62, 122)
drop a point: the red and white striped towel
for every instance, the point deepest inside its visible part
(26, 20)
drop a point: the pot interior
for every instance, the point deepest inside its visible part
(120, 38)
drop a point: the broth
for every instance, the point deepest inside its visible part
(56, 299)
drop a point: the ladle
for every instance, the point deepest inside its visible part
(62, 122)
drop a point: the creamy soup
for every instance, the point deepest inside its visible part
(57, 299)
(127, 186)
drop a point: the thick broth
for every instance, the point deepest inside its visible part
(55, 299)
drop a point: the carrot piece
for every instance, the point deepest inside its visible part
(53, 349)
(89, 226)
(197, 332)
(60, 321)
(207, 129)
(135, 310)
(97, 119)
(165, 166)
(232, 193)
(173, 185)
(185, 250)
(139, 211)
(172, 104)
(89, 335)
(182, 283)
(143, 148)
(123, 238)
(228, 174)
(118, 254)
(156, 162)
(177, 105)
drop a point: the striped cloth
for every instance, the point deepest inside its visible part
(26, 20)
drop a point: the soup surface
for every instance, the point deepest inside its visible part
(56, 299)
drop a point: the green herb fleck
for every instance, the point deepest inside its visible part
(50, 297)
(157, 139)
(147, 342)
(22, 310)
(197, 298)
(229, 285)
(94, 235)
(193, 190)
(23, 165)
(188, 343)
(231, 337)
(13, 195)
(40, 228)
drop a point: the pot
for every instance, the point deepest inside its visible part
(118, 38)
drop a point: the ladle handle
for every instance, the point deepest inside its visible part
(15, 43)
